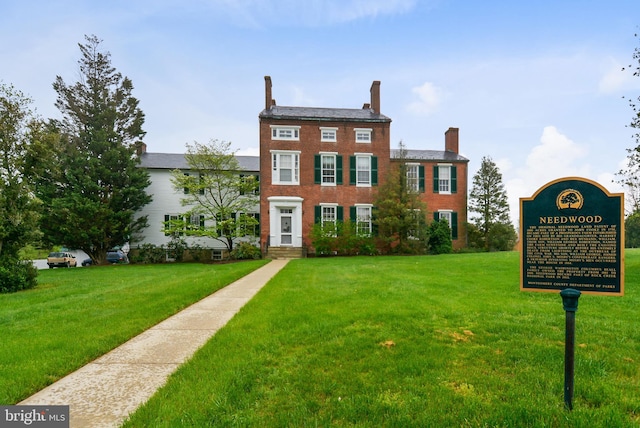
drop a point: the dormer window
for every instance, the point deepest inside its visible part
(290, 133)
(363, 135)
(328, 134)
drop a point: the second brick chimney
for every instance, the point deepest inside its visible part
(451, 140)
(268, 97)
(375, 96)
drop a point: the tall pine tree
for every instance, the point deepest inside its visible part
(488, 199)
(92, 200)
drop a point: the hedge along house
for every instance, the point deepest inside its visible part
(166, 204)
(440, 177)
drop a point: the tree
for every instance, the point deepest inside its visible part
(630, 176)
(632, 231)
(488, 198)
(216, 193)
(440, 237)
(93, 195)
(18, 207)
(400, 215)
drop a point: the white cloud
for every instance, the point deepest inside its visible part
(429, 97)
(557, 156)
(614, 78)
(311, 13)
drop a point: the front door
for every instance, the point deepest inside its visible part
(286, 230)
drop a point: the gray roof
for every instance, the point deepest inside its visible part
(431, 155)
(178, 161)
(326, 114)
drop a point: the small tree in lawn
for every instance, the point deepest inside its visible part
(400, 214)
(488, 199)
(216, 191)
(18, 207)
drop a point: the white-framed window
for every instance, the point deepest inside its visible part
(363, 135)
(444, 179)
(328, 169)
(363, 170)
(445, 215)
(290, 133)
(363, 220)
(329, 135)
(328, 214)
(413, 177)
(285, 167)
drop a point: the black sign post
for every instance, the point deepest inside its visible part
(572, 235)
(570, 304)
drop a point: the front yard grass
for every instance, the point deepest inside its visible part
(77, 315)
(438, 341)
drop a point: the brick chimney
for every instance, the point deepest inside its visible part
(451, 140)
(375, 96)
(268, 98)
(141, 148)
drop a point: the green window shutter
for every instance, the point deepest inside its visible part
(186, 189)
(338, 169)
(352, 214)
(374, 223)
(454, 179)
(317, 214)
(165, 226)
(436, 217)
(352, 170)
(317, 165)
(421, 178)
(454, 225)
(340, 213)
(436, 184)
(201, 222)
(374, 170)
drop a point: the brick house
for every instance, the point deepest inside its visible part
(327, 163)
(440, 176)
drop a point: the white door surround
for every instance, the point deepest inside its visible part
(285, 221)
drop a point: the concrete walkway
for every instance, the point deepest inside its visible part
(104, 392)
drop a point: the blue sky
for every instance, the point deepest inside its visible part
(537, 86)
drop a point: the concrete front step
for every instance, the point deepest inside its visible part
(285, 253)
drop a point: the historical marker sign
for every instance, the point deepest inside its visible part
(572, 234)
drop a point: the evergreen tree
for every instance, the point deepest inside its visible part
(217, 194)
(400, 215)
(488, 198)
(93, 195)
(18, 207)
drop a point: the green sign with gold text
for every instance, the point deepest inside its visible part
(572, 234)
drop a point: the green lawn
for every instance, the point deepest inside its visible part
(437, 341)
(76, 315)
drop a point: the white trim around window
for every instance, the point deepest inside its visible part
(285, 167)
(363, 219)
(363, 135)
(363, 169)
(287, 133)
(444, 178)
(328, 135)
